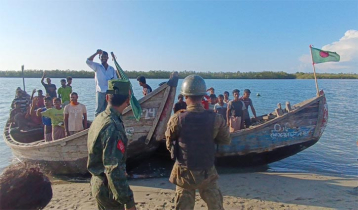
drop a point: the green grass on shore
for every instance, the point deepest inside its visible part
(158, 74)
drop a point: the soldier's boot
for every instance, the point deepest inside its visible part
(211, 194)
(184, 198)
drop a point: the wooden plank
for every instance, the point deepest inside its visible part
(319, 120)
(142, 122)
(152, 94)
(163, 121)
(147, 97)
(152, 104)
(156, 120)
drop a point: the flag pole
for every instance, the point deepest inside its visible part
(314, 72)
(23, 77)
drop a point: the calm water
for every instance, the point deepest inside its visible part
(335, 153)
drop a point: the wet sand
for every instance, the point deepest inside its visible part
(264, 190)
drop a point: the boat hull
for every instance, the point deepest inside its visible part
(273, 140)
(69, 155)
(264, 158)
(279, 138)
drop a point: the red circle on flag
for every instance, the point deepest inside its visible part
(324, 54)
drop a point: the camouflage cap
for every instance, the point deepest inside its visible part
(118, 86)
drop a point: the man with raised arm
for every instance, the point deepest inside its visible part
(49, 87)
(103, 73)
(107, 152)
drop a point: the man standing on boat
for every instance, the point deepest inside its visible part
(49, 87)
(103, 73)
(248, 103)
(191, 136)
(46, 121)
(75, 116)
(107, 151)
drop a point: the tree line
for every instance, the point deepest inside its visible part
(160, 74)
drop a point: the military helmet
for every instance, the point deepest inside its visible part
(193, 85)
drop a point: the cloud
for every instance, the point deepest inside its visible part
(346, 47)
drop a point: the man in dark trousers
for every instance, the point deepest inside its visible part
(248, 103)
(107, 151)
(191, 137)
(49, 87)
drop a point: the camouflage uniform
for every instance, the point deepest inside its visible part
(187, 180)
(107, 152)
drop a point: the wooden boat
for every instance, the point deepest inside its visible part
(277, 137)
(69, 155)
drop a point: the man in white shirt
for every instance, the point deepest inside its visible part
(103, 73)
(75, 115)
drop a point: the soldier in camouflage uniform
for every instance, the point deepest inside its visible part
(191, 136)
(107, 151)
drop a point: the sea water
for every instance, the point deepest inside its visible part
(334, 154)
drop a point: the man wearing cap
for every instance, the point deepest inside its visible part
(193, 148)
(107, 151)
(103, 73)
(248, 102)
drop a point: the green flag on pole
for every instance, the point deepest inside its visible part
(320, 56)
(136, 108)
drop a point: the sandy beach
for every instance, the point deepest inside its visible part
(241, 191)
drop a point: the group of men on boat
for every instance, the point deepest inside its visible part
(235, 112)
(59, 112)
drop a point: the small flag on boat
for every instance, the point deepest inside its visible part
(136, 108)
(321, 56)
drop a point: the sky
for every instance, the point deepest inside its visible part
(202, 36)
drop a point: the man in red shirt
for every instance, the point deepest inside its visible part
(205, 103)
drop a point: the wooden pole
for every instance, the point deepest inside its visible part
(23, 77)
(114, 58)
(314, 72)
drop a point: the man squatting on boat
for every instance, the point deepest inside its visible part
(193, 148)
(107, 151)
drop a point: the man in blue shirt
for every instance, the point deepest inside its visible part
(45, 120)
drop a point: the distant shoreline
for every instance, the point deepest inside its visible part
(165, 74)
(182, 78)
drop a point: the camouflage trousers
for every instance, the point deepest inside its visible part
(103, 195)
(211, 194)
